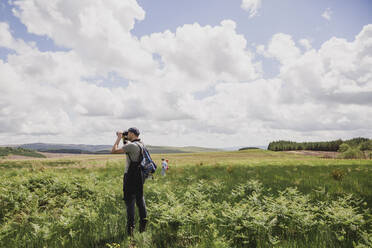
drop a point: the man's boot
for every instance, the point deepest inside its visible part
(142, 226)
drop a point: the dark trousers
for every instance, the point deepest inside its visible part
(140, 201)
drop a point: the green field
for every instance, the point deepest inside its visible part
(250, 198)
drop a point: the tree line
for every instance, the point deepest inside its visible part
(283, 145)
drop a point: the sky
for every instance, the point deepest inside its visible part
(218, 73)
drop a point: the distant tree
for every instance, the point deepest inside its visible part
(356, 141)
(248, 148)
(366, 145)
(334, 145)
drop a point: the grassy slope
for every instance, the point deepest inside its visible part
(5, 151)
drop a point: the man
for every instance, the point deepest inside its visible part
(133, 178)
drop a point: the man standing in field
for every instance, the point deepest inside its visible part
(133, 178)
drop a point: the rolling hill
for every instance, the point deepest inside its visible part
(105, 149)
(5, 151)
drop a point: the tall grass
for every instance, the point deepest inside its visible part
(241, 199)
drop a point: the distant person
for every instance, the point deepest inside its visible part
(167, 164)
(164, 166)
(133, 178)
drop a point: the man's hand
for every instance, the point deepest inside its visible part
(115, 148)
(119, 134)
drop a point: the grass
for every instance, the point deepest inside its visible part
(251, 198)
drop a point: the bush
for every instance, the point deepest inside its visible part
(349, 152)
(338, 174)
(344, 147)
(352, 153)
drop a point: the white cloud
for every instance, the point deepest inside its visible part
(305, 43)
(56, 85)
(7, 40)
(327, 14)
(98, 31)
(200, 56)
(45, 96)
(260, 49)
(304, 102)
(319, 93)
(323, 88)
(283, 48)
(251, 6)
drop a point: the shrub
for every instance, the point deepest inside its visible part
(352, 153)
(338, 174)
(344, 147)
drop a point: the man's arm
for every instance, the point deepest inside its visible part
(115, 149)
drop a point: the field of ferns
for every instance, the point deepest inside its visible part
(249, 198)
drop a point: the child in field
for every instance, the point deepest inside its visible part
(164, 166)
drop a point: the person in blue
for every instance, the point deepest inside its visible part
(133, 178)
(164, 166)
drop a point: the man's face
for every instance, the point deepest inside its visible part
(131, 136)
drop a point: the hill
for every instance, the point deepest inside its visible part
(49, 147)
(5, 151)
(105, 149)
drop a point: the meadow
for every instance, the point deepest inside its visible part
(251, 198)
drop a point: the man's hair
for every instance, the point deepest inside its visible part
(134, 130)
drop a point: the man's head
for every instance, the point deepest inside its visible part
(133, 133)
